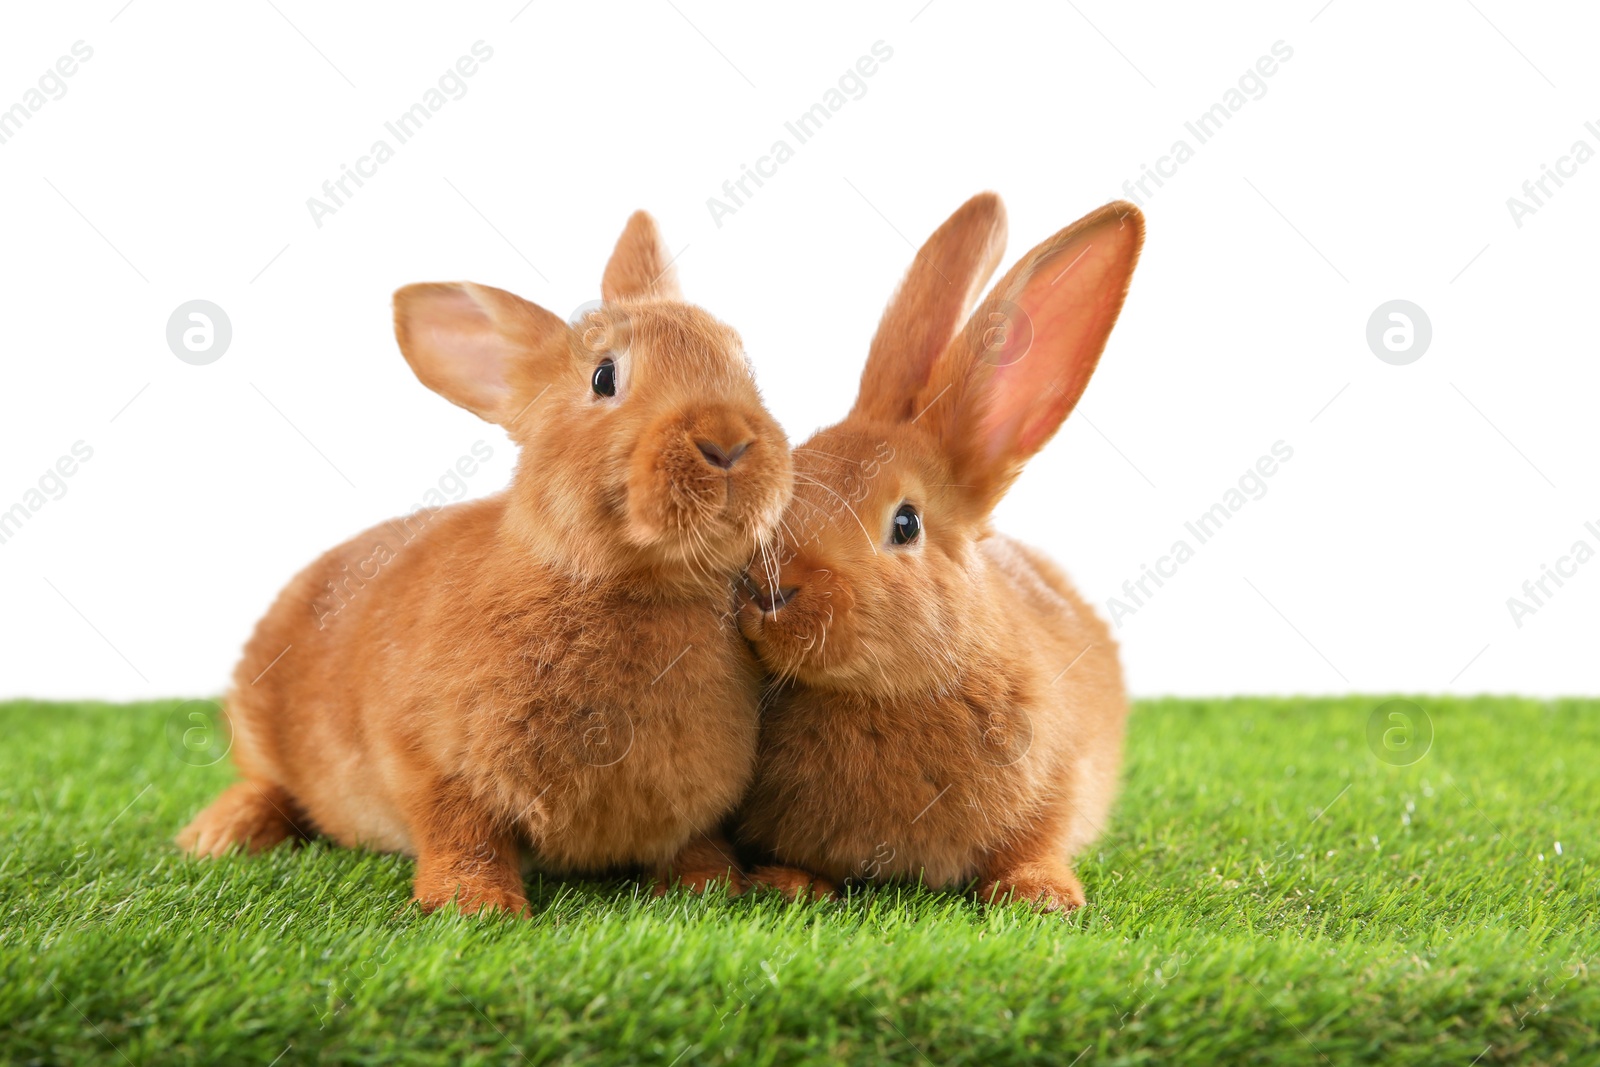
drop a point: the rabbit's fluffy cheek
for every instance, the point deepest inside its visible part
(811, 636)
(881, 623)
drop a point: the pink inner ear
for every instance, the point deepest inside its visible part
(1070, 303)
(460, 353)
(478, 352)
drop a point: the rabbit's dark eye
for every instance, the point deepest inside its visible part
(605, 379)
(907, 525)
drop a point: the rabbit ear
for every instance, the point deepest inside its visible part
(923, 315)
(640, 266)
(461, 340)
(1004, 386)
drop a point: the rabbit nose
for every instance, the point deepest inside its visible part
(721, 457)
(770, 601)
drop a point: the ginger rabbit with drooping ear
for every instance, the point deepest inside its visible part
(943, 704)
(550, 673)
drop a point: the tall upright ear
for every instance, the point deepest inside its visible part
(999, 392)
(936, 294)
(640, 266)
(463, 340)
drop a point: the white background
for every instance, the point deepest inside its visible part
(1377, 166)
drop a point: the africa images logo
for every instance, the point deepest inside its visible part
(403, 128)
(806, 126)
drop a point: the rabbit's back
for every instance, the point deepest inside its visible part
(1082, 706)
(602, 730)
(315, 692)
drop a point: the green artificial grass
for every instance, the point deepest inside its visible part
(1270, 892)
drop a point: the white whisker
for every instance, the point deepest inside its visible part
(871, 541)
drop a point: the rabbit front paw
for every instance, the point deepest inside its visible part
(486, 877)
(1055, 890)
(706, 861)
(794, 883)
(470, 898)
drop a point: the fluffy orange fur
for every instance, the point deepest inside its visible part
(552, 674)
(947, 708)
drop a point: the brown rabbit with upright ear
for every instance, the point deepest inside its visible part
(944, 704)
(552, 669)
